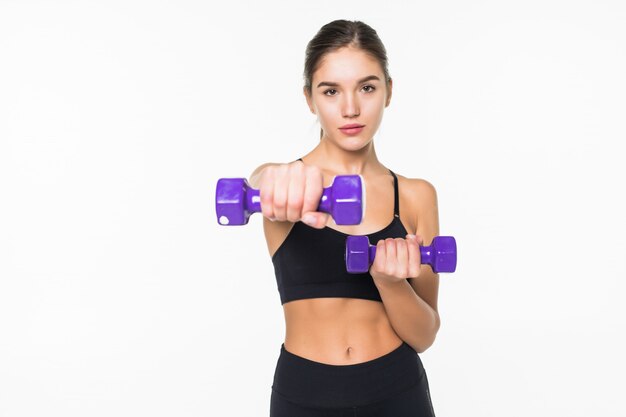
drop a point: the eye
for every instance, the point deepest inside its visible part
(371, 87)
(331, 89)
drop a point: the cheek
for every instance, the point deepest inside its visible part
(374, 111)
(376, 105)
(328, 112)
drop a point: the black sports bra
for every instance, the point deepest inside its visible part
(310, 262)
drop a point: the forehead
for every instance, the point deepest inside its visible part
(346, 65)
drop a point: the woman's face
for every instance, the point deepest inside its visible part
(349, 88)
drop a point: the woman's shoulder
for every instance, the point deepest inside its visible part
(418, 189)
(420, 198)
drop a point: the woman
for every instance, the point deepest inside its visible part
(352, 341)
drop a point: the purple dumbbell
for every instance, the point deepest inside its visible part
(441, 255)
(235, 200)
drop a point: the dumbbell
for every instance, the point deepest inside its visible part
(440, 255)
(344, 199)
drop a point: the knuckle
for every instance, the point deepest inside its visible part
(267, 213)
(295, 202)
(269, 171)
(266, 206)
(309, 197)
(310, 201)
(312, 170)
(264, 195)
(314, 176)
(296, 170)
(281, 172)
(280, 204)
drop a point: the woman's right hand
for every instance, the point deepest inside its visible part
(292, 192)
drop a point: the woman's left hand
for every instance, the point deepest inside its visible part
(397, 259)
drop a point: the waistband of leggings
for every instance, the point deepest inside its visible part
(404, 350)
(315, 384)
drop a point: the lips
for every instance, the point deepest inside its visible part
(351, 126)
(351, 129)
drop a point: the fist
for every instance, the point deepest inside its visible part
(292, 192)
(397, 259)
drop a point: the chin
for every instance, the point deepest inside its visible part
(350, 143)
(355, 144)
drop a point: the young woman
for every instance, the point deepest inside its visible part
(352, 341)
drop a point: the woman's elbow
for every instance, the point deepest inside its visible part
(430, 340)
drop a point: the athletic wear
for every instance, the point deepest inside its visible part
(311, 263)
(393, 385)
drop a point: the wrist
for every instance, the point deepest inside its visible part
(389, 284)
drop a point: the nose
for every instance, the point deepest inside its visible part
(350, 106)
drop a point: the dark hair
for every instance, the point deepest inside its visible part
(338, 34)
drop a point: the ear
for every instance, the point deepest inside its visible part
(389, 89)
(309, 102)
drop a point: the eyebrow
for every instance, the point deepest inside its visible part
(362, 80)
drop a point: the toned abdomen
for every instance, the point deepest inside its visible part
(338, 331)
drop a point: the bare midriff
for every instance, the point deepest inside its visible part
(338, 331)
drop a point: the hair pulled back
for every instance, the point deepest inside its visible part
(338, 34)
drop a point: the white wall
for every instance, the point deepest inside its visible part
(120, 294)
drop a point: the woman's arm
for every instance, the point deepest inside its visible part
(426, 285)
(411, 304)
(288, 193)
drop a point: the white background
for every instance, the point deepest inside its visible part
(120, 294)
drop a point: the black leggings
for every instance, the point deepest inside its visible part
(393, 385)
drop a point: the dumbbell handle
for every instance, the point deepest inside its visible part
(440, 255)
(253, 200)
(235, 200)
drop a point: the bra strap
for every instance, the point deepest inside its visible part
(396, 198)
